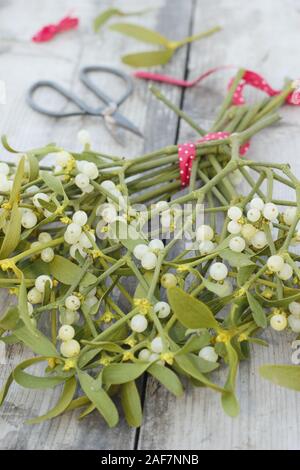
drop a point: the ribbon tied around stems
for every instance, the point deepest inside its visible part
(257, 81)
(187, 151)
(187, 154)
(49, 31)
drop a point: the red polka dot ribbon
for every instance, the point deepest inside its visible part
(187, 154)
(49, 31)
(257, 81)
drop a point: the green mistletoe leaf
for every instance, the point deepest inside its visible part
(284, 376)
(192, 313)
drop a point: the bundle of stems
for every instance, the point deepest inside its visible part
(123, 306)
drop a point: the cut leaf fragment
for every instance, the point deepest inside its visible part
(140, 33)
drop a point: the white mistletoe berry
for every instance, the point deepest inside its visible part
(82, 181)
(259, 240)
(72, 234)
(286, 272)
(29, 219)
(80, 218)
(109, 214)
(72, 302)
(289, 215)
(162, 309)
(140, 250)
(90, 170)
(234, 213)
(149, 261)
(294, 308)
(156, 245)
(70, 348)
(63, 158)
(204, 232)
(40, 282)
(157, 345)
(44, 237)
(253, 215)
(206, 247)
(270, 211)
(278, 322)
(168, 280)
(237, 244)
(34, 296)
(66, 333)
(275, 263)
(294, 323)
(218, 271)
(234, 227)
(257, 203)
(47, 255)
(209, 354)
(248, 231)
(144, 355)
(108, 185)
(139, 323)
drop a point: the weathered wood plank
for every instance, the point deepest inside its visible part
(260, 36)
(22, 63)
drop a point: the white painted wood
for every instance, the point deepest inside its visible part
(22, 63)
(261, 36)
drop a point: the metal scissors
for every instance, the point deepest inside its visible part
(109, 112)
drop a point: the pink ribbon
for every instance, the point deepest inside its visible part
(187, 154)
(157, 77)
(257, 81)
(49, 31)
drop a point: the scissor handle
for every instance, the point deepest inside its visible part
(84, 77)
(63, 92)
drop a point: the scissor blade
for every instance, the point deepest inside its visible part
(122, 121)
(116, 132)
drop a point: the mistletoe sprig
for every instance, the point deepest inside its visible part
(166, 50)
(105, 295)
(165, 47)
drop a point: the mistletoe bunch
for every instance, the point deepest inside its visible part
(117, 273)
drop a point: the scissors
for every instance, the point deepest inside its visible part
(109, 112)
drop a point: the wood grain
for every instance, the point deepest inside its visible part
(23, 63)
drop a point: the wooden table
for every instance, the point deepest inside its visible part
(262, 36)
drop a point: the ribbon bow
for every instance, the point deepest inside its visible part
(49, 31)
